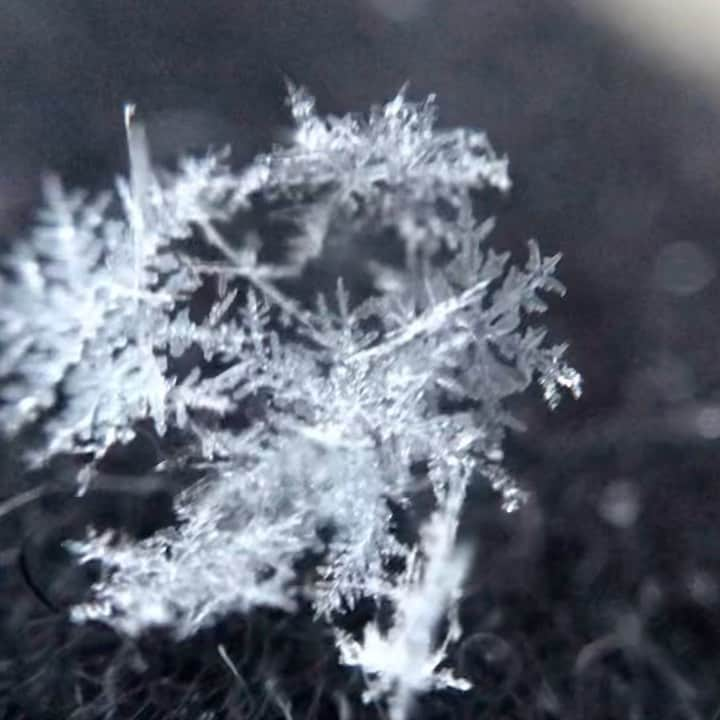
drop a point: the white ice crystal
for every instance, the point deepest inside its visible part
(313, 425)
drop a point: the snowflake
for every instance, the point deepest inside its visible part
(313, 425)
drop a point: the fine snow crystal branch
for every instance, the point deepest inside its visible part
(404, 660)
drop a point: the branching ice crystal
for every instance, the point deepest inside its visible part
(314, 424)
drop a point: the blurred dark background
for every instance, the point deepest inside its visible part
(600, 599)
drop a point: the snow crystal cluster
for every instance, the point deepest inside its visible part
(312, 423)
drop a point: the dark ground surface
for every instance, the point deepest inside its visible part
(599, 599)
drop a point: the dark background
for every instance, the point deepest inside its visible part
(600, 599)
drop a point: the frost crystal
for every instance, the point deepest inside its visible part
(315, 426)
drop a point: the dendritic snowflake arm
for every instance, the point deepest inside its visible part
(344, 174)
(54, 300)
(403, 661)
